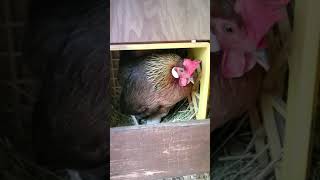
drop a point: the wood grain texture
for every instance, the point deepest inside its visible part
(166, 150)
(159, 20)
(152, 46)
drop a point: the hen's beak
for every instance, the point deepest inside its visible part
(191, 80)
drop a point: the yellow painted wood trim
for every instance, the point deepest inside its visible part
(302, 81)
(204, 55)
(119, 47)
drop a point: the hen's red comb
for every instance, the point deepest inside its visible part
(191, 65)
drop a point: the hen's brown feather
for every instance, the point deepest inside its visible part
(148, 88)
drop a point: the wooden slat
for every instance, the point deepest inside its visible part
(203, 54)
(119, 47)
(302, 82)
(159, 20)
(156, 151)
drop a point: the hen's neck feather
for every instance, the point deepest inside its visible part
(158, 70)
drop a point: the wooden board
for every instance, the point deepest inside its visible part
(302, 86)
(203, 54)
(166, 150)
(133, 21)
(120, 47)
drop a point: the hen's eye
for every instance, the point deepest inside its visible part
(228, 29)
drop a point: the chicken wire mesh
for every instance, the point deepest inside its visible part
(117, 118)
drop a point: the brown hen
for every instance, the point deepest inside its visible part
(149, 88)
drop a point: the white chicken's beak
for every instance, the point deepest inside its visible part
(174, 73)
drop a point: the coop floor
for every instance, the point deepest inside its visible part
(233, 154)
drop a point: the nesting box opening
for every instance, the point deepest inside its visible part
(190, 108)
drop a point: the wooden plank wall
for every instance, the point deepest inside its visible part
(302, 86)
(134, 21)
(166, 150)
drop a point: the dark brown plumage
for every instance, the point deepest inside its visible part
(149, 90)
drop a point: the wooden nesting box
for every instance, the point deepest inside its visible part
(167, 149)
(197, 50)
